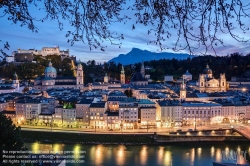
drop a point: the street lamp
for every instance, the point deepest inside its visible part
(95, 126)
(121, 125)
(51, 123)
(147, 126)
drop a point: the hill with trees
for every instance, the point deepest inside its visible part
(235, 64)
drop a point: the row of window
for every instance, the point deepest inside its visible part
(127, 117)
(197, 112)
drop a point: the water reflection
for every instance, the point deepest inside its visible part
(167, 158)
(160, 155)
(120, 158)
(76, 152)
(171, 155)
(143, 155)
(199, 151)
(218, 156)
(192, 156)
(96, 154)
(212, 152)
(41, 148)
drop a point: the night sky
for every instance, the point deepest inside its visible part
(49, 35)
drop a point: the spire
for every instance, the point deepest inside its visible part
(15, 76)
(50, 64)
(207, 66)
(142, 69)
(122, 71)
(106, 75)
(183, 83)
(79, 65)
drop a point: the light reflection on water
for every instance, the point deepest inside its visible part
(143, 155)
(166, 155)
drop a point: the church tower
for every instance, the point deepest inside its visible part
(201, 83)
(223, 82)
(122, 76)
(79, 76)
(142, 70)
(183, 92)
(106, 78)
(15, 82)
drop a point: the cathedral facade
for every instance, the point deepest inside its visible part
(51, 80)
(207, 83)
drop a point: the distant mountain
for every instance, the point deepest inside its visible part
(136, 55)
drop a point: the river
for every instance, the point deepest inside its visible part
(178, 154)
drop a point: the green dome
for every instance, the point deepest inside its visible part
(50, 69)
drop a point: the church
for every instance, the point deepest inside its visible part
(51, 80)
(207, 83)
(138, 78)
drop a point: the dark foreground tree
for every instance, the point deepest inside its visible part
(192, 23)
(10, 137)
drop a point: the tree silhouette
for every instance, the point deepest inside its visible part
(10, 136)
(196, 23)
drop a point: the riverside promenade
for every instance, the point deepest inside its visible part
(218, 132)
(131, 131)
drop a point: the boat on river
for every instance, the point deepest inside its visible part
(229, 164)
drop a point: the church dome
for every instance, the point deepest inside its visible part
(50, 69)
(207, 70)
(187, 73)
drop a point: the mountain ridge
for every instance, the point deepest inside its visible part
(137, 55)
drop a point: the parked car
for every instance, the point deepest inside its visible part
(179, 130)
(190, 129)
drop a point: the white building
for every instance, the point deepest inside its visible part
(9, 59)
(168, 78)
(96, 113)
(207, 83)
(169, 113)
(82, 112)
(69, 117)
(128, 115)
(28, 110)
(147, 117)
(45, 51)
(201, 113)
(187, 76)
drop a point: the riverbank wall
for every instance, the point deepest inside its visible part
(130, 139)
(86, 138)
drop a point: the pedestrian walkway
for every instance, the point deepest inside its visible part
(243, 130)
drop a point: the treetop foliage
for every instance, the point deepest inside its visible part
(194, 23)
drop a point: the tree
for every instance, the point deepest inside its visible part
(196, 23)
(10, 137)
